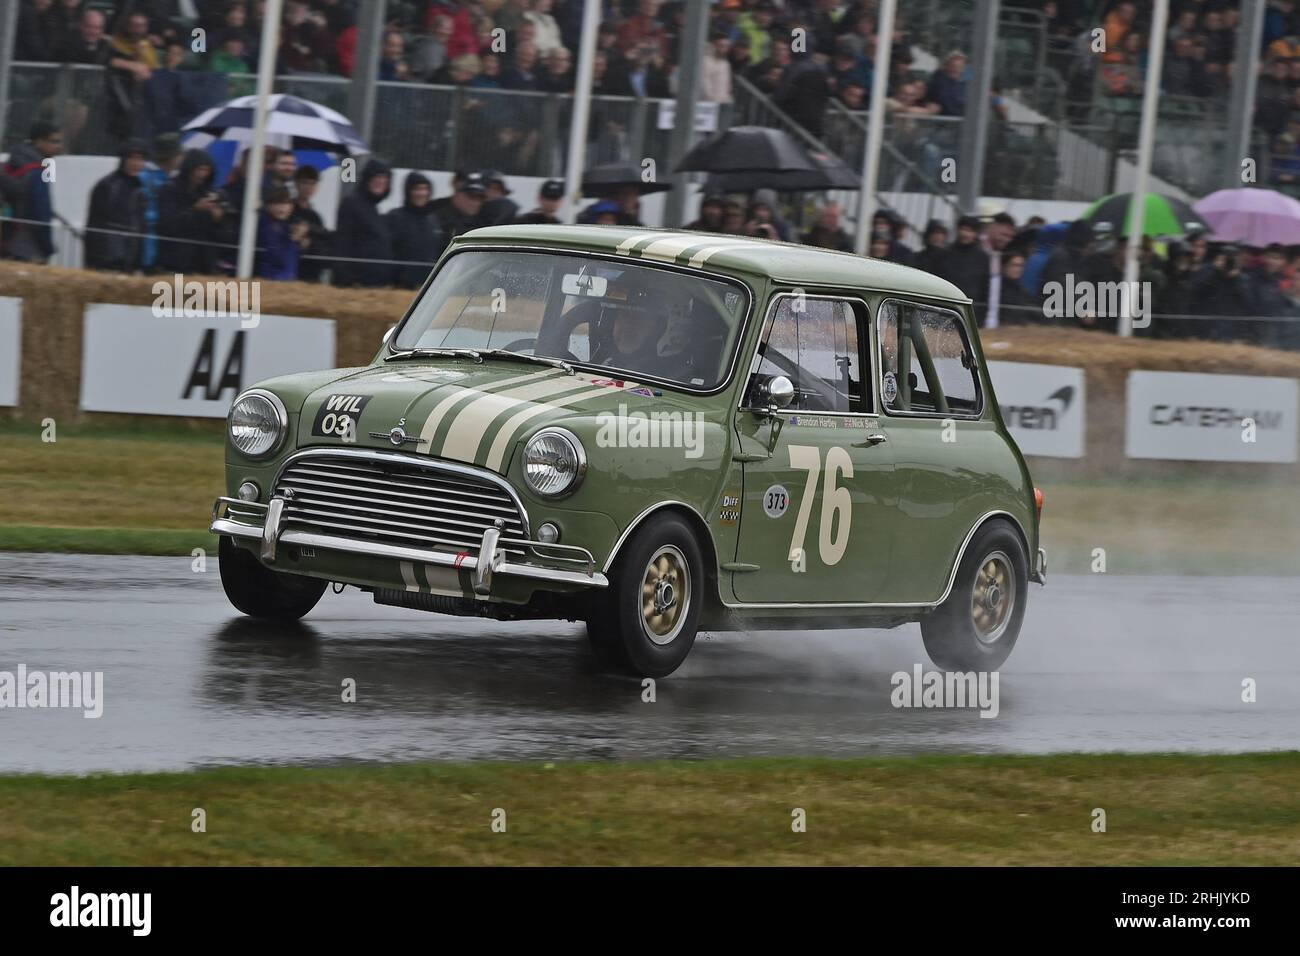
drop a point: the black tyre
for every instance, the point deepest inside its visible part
(258, 591)
(977, 626)
(644, 623)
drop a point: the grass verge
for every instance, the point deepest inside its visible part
(963, 810)
(168, 541)
(114, 489)
(108, 491)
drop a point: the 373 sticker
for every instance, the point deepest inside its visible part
(338, 415)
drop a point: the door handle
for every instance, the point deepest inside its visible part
(873, 439)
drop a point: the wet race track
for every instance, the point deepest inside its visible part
(1103, 663)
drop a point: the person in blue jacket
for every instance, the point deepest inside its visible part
(31, 241)
(1046, 239)
(279, 241)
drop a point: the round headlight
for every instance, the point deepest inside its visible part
(554, 462)
(257, 424)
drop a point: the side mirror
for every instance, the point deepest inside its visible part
(774, 394)
(389, 334)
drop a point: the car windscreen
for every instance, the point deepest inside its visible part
(636, 320)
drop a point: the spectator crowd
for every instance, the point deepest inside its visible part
(160, 211)
(163, 66)
(163, 210)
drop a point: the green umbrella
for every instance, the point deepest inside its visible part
(1165, 215)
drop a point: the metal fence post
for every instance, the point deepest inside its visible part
(636, 134)
(365, 68)
(546, 162)
(8, 37)
(457, 114)
(974, 134)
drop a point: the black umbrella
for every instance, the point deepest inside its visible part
(606, 182)
(747, 149)
(831, 173)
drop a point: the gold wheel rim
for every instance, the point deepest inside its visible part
(993, 597)
(665, 595)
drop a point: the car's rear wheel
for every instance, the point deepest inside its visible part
(258, 591)
(644, 623)
(977, 626)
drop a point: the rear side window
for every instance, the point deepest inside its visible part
(927, 366)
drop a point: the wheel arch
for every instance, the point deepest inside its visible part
(702, 533)
(975, 529)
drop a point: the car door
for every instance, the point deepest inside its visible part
(932, 408)
(818, 478)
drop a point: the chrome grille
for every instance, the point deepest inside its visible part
(379, 497)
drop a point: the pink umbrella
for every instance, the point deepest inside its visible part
(1252, 217)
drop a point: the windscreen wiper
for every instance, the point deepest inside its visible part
(521, 357)
(475, 354)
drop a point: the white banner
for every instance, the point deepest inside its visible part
(1190, 416)
(136, 362)
(706, 115)
(1043, 407)
(11, 348)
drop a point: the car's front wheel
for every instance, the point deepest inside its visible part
(644, 623)
(258, 591)
(977, 626)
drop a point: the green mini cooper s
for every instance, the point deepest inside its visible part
(654, 433)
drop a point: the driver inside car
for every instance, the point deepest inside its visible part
(647, 333)
(631, 330)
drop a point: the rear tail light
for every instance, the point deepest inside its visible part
(1038, 501)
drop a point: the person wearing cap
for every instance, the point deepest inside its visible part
(549, 198)
(998, 236)
(462, 210)
(117, 206)
(306, 180)
(602, 213)
(497, 205)
(967, 265)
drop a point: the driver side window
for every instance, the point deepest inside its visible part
(814, 343)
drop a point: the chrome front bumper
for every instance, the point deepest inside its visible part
(255, 521)
(1039, 572)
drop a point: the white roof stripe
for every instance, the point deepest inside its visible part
(667, 250)
(631, 242)
(708, 252)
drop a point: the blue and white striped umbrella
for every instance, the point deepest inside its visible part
(291, 123)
